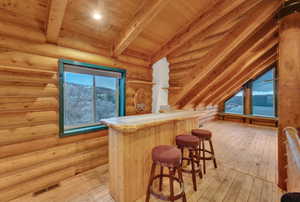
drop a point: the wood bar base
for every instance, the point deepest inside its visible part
(130, 150)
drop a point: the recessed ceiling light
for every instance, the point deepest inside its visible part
(97, 16)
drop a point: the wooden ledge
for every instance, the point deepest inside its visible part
(130, 124)
(249, 118)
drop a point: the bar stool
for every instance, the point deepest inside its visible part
(191, 143)
(205, 135)
(169, 157)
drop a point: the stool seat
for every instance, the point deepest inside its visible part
(187, 141)
(201, 133)
(166, 155)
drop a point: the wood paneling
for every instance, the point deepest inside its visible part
(143, 17)
(32, 156)
(214, 60)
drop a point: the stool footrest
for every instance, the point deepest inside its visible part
(168, 197)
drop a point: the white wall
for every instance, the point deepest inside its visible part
(161, 83)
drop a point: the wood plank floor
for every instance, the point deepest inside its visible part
(246, 157)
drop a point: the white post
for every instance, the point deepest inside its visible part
(161, 84)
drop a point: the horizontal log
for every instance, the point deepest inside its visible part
(27, 60)
(198, 43)
(33, 62)
(72, 39)
(36, 184)
(44, 143)
(32, 104)
(68, 40)
(26, 71)
(134, 60)
(89, 46)
(23, 134)
(32, 158)
(192, 55)
(9, 120)
(53, 51)
(23, 175)
(93, 163)
(184, 65)
(27, 91)
(27, 77)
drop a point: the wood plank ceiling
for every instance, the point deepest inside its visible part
(213, 46)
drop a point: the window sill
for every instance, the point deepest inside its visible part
(249, 116)
(83, 130)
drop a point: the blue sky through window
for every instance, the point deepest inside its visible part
(264, 84)
(86, 79)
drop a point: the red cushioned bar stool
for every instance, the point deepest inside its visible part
(205, 135)
(166, 156)
(191, 143)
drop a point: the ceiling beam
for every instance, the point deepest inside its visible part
(142, 18)
(230, 88)
(210, 17)
(256, 61)
(207, 69)
(262, 68)
(256, 46)
(57, 10)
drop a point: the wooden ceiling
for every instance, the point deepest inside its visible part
(213, 46)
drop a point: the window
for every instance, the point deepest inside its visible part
(260, 95)
(263, 99)
(235, 105)
(89, 93)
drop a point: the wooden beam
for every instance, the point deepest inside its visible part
(143, 17)
(198, 42)
(214, 14)
(241, 78)
(255, 70)
(57, 10)
(261, 13)
(251, 50)
(254, 75)
(257, 61)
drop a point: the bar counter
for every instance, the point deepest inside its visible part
(131, 140)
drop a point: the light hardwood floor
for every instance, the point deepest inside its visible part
(246, 172)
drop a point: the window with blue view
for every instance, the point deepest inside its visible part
(88, 94)
(235, 104)
(263, 99)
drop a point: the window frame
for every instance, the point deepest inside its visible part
(274, 66)
(88, 129)
(249, 85)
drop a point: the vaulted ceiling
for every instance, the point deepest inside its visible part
(213, 46)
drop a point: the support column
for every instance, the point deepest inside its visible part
(288, 86)
(248, 100)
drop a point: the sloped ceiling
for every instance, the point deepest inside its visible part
(213, 46)
(225, 54)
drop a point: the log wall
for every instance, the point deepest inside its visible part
(32, 156)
